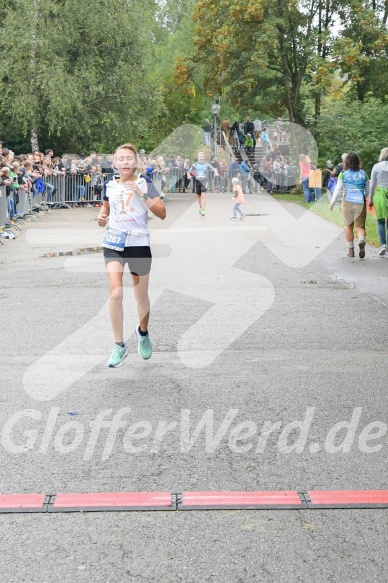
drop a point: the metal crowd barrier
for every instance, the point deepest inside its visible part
(15, 210)
(37, 199)
(3, 208)
(71, 189)
(27, 205)
(158, 180)
(6, 227)
(25, 202)
(57, 197)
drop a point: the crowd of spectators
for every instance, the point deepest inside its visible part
(78, 180)
(250, 134)
(170, 173)
(275, 172)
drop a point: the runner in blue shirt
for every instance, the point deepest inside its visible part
(353, 206)
(200, 170)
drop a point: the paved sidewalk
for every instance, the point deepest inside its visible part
(256, 324)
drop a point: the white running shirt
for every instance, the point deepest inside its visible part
(128, 212)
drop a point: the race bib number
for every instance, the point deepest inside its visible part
(114, 240)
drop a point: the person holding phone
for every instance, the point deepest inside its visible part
(126, 202)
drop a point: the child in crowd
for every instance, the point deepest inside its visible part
(97, 183)
(249, 144)
(238, 198)
(74, 166)
(28, 176)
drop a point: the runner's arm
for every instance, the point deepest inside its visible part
(214, 170)
(157, 207)
(103, 215)
(189, 175)
(372, 186)
(154, 202)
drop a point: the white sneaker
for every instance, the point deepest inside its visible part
(242, 216)
(233, 218)
(383, 250)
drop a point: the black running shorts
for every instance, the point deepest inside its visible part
(200, 187)
(138, 259)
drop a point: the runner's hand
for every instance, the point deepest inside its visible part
(331, 207)
(102, 219)
(132, 186)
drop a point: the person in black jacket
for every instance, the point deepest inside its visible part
(249, 128)
(327, 173)
(208, 130)
(234, 135)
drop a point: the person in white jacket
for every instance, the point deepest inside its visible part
(379, 198)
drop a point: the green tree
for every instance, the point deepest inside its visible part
(74, 80)
(183, 102)
(257, 48)
(346, 126)
(361, 51)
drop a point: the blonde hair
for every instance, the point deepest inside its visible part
(127, 147)
(383, 155)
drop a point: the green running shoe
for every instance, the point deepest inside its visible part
(144, 345)
(119, 353)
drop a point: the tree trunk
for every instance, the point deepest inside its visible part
(34, 28)
(34, 140)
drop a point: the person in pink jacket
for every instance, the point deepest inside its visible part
(238, 198)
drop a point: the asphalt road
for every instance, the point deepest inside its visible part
(256, 325)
